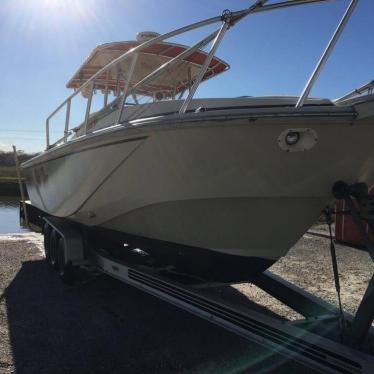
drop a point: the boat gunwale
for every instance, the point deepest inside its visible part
(163, 123)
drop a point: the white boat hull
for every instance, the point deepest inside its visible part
(226, 186)
(230, 194)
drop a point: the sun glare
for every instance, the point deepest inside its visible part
(47, 18)
(71, 10)
(60, 5)
(64, 8)
(52, 2)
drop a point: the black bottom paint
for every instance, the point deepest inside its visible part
(201, 263)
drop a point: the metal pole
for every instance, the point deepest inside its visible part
(326, 54)
(203, 69)
(88, 108)
(179, 31)
(176, 59)
(106, 89)
(284, 4)
(126, 88)
(259, 4)
(139, 48)
(361, 324)
(142, 46)
(258, 7)
(189, 77)
(117, 90)
(47, 132)
(20, 185)
(181, 94)
(358, 91)
(135, 98)
(67, 119)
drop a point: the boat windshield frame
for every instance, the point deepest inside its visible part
(227, 19)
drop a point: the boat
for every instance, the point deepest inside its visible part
(218, 188)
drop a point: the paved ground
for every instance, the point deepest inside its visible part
(103, 326)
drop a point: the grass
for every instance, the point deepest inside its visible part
(8, 173)
(8, 179)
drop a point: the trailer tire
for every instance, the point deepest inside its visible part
(65, 269)
(47, 241)
(53, 248)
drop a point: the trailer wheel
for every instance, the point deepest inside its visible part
(47, 241)
(53, 248)
(65, 269)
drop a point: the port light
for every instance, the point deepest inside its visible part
(292, 138)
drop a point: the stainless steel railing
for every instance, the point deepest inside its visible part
(116, 61)
(229, 19)
(367, 88)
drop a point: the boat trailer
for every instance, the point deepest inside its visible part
(327, 339)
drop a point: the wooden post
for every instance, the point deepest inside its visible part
(20, 186)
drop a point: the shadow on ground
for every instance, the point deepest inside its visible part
(103, 326)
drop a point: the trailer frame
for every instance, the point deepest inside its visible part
(315, 341)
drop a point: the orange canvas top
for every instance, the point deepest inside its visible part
(172, 81)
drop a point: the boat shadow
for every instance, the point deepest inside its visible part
(102, 325)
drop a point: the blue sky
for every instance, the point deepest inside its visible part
(43, 42)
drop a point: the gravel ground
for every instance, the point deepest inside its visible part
(308, 265)
(103, 326)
